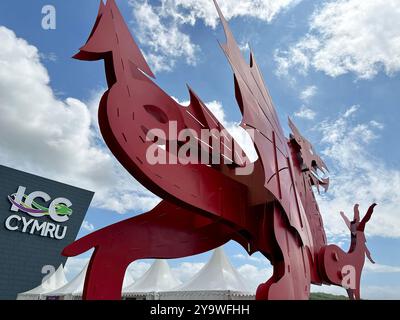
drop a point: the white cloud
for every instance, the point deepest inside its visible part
(305, 113)
(379, 268)
(51, 56)
(376, 124)
(54, 138)
(348, 36)
(217, 110)
(308, 93)
(254, 275)
(257, 257)
(138, 268)
(353, 109)
(358, 176)
(265, 10)
(161, 28)
(381, 292)
(283, 64)
(74, 265)
(164, 39)
(186, 270)
(86, 225)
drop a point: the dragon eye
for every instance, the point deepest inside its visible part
(156, 113)
(313, 163)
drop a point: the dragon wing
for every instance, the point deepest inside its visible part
(257, 109)
(259, 114)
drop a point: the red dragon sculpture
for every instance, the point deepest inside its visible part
(271, 210)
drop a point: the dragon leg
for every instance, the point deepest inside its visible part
(355, 294)
(350, 293)
(291, 276)
(357, 290)
(168, 231)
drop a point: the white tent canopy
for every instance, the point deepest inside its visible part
(217, 280)
(158, 278)
(74, 287)
(217, 275)
(54, 282)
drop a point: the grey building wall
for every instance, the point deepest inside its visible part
(23, 255)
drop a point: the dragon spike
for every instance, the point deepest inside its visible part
(128, 48)
(356, 213)
(230, 48)
(99, 14)
(104, 38)
(101, 8)
(294, 129)
(361, 227)
(198, 108)
(367, 217)
(83, 54)
(223, 21)
(99, 41)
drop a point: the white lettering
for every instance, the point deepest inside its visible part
(160, 310)
(36, 227)
(48, 282)
(8, 222)
(349, 277)
(49, 20)
(62, 236)
(50, 228)
(26, 223)
(154, 154)
(52, 209)
(27, 204)
(172, 145)
(189, 152)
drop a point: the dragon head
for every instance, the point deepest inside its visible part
(310, 162)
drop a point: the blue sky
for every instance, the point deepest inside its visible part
(332, 66)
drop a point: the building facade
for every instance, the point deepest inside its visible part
(38, 219)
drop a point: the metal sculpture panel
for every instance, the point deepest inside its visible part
(215, 194)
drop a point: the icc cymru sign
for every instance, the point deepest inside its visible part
(58, 210)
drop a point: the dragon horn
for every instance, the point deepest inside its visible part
(346, 220)
(366, 218)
